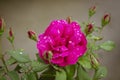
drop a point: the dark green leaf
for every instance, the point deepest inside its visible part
(82, 74)
(17, 68)
(100, 73)
(31, 76)
(13, 75)
(3, 78)
(19, 56)
(24, 77)
(61, 75)
(1, 71)
(48, 74)
(108, 45)
(37, 67)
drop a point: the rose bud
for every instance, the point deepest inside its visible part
(10, 33)
(11, 36)
(32, 35)
(106, 19)
(89, 29)
(1, 26)
(92, 11)
(94, 61)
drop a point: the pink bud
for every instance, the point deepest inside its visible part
(89, 29)
(11, 36)
(93, 8)
(32, 35)
(92, 11)
(0, 24)
(106, 19)
(10, 32)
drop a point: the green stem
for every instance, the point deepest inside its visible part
(94, 78)
(13, 46)
(3, 61)
(0, 48)
(2, 56)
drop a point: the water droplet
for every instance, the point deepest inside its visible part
(21, 53)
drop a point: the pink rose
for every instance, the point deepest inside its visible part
(65, 40)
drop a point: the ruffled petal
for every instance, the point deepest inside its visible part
(71, 58)
(64, 40)
(56, 28)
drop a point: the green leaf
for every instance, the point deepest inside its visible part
(61, 75)
(31, 76)
(91, 13)
(11, 39)
(82, 74)
(24, 77)
(10, 61)
(23, 67)
(13, 75)
(108, 45)
(19, 55)
(37, 67)
(17, 68)
(97, 29)
(70, 70)
(96, 38)
(1, 71)
(100, 73)
(48, 74)
(85, 61)
(39, 59)
(1, 32)
(2, 78)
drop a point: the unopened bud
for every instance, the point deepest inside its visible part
(89, 28)
(68, 20)
(92, 11)
(47, 56)
(106, 19)
(1, 26)
(94, 61)
(11, 36)
(10, 32)
(32, 35)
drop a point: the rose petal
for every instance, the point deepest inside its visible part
(64, 40)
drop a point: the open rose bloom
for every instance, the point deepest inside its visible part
(65, 40)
